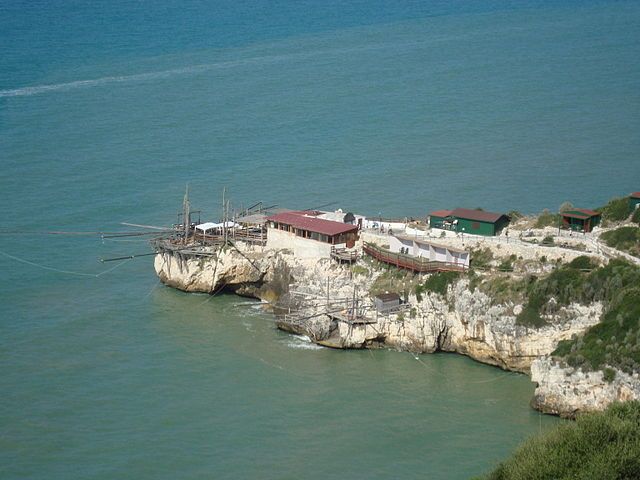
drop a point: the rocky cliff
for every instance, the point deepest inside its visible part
(567, 391)
(465, 320)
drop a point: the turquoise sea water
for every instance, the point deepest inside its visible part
(392, 108)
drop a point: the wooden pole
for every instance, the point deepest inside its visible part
(224, 231)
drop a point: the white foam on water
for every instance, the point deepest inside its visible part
(190, 70)
(303, 342)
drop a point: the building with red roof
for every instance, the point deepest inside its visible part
(307, 235)
(580, 219)
(465, 220)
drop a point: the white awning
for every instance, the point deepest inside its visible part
(207, 226)
(210, 225)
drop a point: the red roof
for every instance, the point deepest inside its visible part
(312, 224)
(440, 213)
(635, 195)
(477, 215)
(579, 213)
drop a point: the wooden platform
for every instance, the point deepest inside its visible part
(409, 262)
(342, 255)
(351, 319)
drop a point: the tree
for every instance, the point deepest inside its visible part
(565, 207)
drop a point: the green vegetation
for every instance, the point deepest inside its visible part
(437, 283)
(635, 218)
(507, 264)
(614, 342)
(565, 207)
(515, 215)
(481, 258)
(394, 280)
(603, 446)
(626, 239)
(547, 219)
(503, 288)
(616, 210)
(548, 240)
(578, 281)
(360, 270)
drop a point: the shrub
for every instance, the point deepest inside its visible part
(566, 206)
(481, 258)
(439, 282)
(616, 210)
(530, 315)
(635, 218)
(507, 264)
(547, 219)
(548, 240)
(626, 239)
(503, 288)
(604, 445)
(609, 374)
(582, 262)
(515, 215)
(360, 270)
(599, 344)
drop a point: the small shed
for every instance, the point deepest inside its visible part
(634, 201)
(385, 302)
(465, 220)
(580, 219)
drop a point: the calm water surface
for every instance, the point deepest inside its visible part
(392, 108)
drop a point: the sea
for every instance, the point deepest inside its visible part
(109, 110)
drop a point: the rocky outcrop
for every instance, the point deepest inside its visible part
(567, 391)
(465, 321)
(252, 273)
(469, 324)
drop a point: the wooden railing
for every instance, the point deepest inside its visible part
(409, 262)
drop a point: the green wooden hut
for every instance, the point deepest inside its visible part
(580, 219)
(476, 222)
(634, 201)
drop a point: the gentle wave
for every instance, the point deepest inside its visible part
(39, 89)
(194, 69)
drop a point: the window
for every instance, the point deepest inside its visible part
(475, 225)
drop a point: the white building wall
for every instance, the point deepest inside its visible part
(301, 247)
(395, 244)
(428, 252)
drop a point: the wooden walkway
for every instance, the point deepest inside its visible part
(409, 262)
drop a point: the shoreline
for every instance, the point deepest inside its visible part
(467, 323)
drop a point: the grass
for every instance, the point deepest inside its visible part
(626, 239)
(603, 446)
